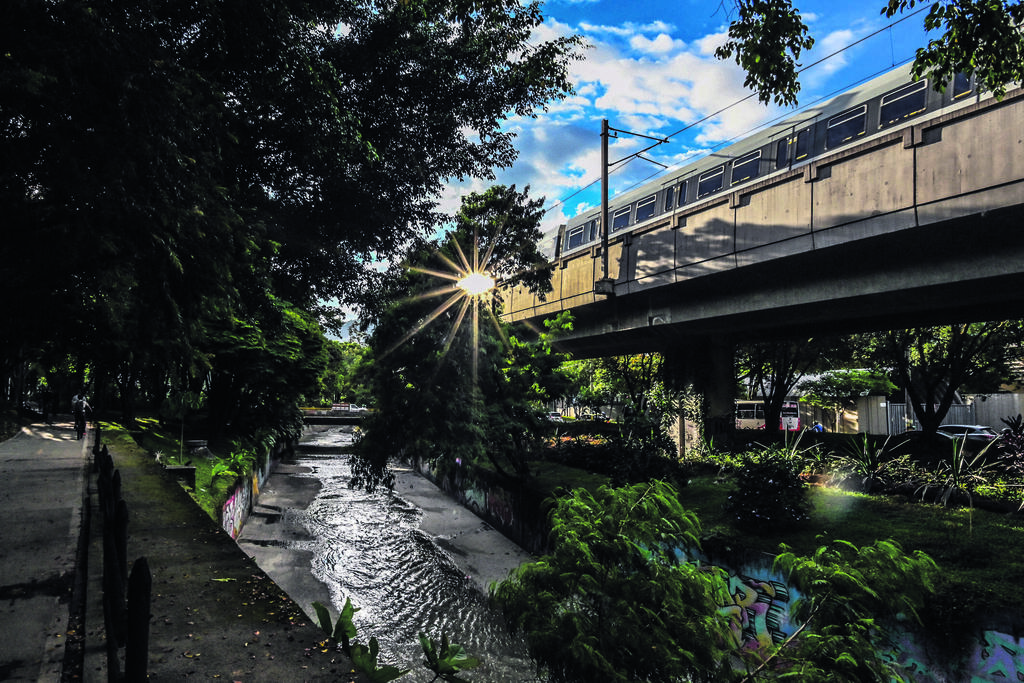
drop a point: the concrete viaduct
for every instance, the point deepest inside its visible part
(919, 226)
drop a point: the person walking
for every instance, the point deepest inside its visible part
(81, 410)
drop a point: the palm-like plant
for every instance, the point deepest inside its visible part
(962, 474)
(871, 463)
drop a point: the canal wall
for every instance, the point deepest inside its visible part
(517, 512)
(242, 498)
(761, 603)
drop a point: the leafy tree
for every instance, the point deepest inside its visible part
(649, 406)
(853, 602)
(261, 369)
(170, 159)
(613, 601)
(528, 378)
(768, 495)
(428, 336)
(837, 390)
(344, 379)
(772, 368)
(590, 385)
(767, 40)
(933, 363)
(977, 36)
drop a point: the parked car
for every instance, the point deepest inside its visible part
(554, 417)
(977, 436)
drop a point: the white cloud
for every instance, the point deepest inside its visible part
(626, 30)
(662, 44)
(642, 79)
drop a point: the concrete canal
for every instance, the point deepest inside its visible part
(412, 561)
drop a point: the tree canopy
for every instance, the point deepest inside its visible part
(452, 384)
(934, 363)
(172, 162)
(975, 36)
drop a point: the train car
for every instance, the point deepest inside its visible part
(878, 107)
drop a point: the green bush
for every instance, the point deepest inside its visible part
(768, 494)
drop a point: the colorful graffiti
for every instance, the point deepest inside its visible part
(236, 509)
(759, 611)
(1000, 657)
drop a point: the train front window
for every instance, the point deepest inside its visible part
(903, 103)
(710, 182)
(746, 167)
(574, 237)
(846, 126)
(961, 85)
(620, 219)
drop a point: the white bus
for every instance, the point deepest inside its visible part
(750, 415)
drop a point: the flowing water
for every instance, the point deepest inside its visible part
(367, 547)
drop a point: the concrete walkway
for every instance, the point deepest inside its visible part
(214, 613)
(42, 470)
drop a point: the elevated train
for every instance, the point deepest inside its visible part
(887, 201)
(885, 104)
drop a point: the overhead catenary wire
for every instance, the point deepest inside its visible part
(625, 162)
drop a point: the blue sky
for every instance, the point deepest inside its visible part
(650, 68)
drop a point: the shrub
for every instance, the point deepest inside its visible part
(613, 601)
(872, 466)
(768, 493)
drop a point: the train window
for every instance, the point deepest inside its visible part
(682, 193)
(961, 85)
(574, 237)
(782, 153)
(620, 219)
(670, 198)
(592, 230)
(846, 126)
(746, 167)
(803, 144)
(710, 182)
(903, 103)
(645, 208)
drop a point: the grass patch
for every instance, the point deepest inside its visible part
(148, 435)
(547, 476)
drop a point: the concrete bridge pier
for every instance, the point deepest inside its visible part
(707, 363)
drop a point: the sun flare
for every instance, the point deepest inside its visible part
(470, 287)
(476, 284)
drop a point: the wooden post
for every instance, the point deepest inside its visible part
(136, 655)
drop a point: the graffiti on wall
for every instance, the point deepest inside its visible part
(760, 602)
(759, 616)
(1000, 657)
(501, 505)
(236, 509)
(758, 613)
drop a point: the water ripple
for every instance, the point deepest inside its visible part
(368, 547)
